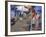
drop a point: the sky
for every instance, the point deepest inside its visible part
(16, 10)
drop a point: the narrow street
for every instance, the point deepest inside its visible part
(21, 25)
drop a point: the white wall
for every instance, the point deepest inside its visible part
(28, 0)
